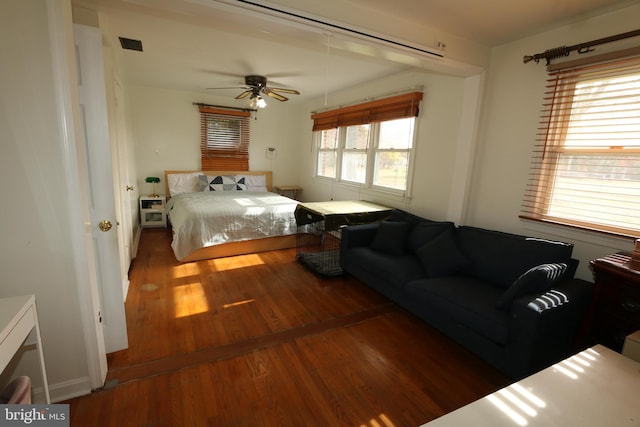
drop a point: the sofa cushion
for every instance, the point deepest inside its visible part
(441, 256)
(536, 280)
(373, 266)
(501, 258)
(391, 237)
(466, 301)
(425, 231)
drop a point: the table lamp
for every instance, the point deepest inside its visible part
(153, 180)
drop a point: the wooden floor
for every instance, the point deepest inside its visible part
(258, 340)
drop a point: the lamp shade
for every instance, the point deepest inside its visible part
(153, 179)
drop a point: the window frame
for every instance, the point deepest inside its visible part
(553, 150)
(372, 151)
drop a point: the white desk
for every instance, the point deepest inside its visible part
(18, 317)
(597, 387)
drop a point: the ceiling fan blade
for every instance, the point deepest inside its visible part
(243, 94)
(274, 95)
(292, 91)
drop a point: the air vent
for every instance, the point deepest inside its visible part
(130, 44)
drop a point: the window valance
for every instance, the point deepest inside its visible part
(391, 108)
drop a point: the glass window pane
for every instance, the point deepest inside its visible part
(357, 137)
(327, 164)
(605, 113)
(391, 169)
(396, 134)
(329, 139)
(583, 183)
(354, 166)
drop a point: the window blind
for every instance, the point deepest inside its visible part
(224, 139)
(391, 108)
(586, 163)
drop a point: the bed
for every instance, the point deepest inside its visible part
(216, 214)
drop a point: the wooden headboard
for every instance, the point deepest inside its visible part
(268, 175)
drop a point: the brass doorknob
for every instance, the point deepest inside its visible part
(104, 225)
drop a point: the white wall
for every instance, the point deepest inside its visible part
(510, 116)
(166, 130)
(438, 129)
(36, 249)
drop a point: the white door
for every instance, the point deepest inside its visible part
(93, 110)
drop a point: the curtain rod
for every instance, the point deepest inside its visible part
(201, 104)
(558, 52)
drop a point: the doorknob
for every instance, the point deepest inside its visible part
(104, 225)
(129, 187)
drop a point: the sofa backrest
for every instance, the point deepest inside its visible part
(501, 258)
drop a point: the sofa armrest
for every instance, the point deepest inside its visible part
(544, 327)
(358, 235)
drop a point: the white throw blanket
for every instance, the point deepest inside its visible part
(211, 218)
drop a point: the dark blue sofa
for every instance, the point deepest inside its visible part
(513, 300)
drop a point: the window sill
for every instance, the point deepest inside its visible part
(568, 233)
(362, 190)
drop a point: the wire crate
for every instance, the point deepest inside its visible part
(320, 230)
(319, 249)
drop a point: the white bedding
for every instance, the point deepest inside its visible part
(205, 219)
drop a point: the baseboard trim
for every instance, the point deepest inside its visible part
(63, 391)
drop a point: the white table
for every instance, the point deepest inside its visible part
(597, 387)
(18, 318)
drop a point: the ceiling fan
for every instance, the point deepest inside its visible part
(256, 86)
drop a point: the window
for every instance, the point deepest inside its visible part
(368, 144)
(586, 169)
(224, 141)
(327, 153)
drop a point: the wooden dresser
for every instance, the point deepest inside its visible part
(615, 312)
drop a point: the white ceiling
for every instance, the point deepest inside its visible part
(197, 44)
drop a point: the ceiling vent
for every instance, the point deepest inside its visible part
(130, 44)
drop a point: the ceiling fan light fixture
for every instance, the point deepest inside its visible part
(257, 102)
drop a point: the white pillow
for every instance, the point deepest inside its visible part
(254, 182)
(183, 183)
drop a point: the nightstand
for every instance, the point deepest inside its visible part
(293, 189)
(152, 212)
(615, 312)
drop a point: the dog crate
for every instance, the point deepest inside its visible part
(319, 227)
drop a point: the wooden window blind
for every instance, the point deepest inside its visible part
(586, 164)
(224, 139)
(391, 108)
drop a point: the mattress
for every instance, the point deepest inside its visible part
(209, 218)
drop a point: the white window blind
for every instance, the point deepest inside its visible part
(586, 164)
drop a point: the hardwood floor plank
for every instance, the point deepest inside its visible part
(259, 340)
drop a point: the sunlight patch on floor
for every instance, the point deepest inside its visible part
(235, 304)
(189, 300)
(381, 421)
(185, 270)
(235, 262)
